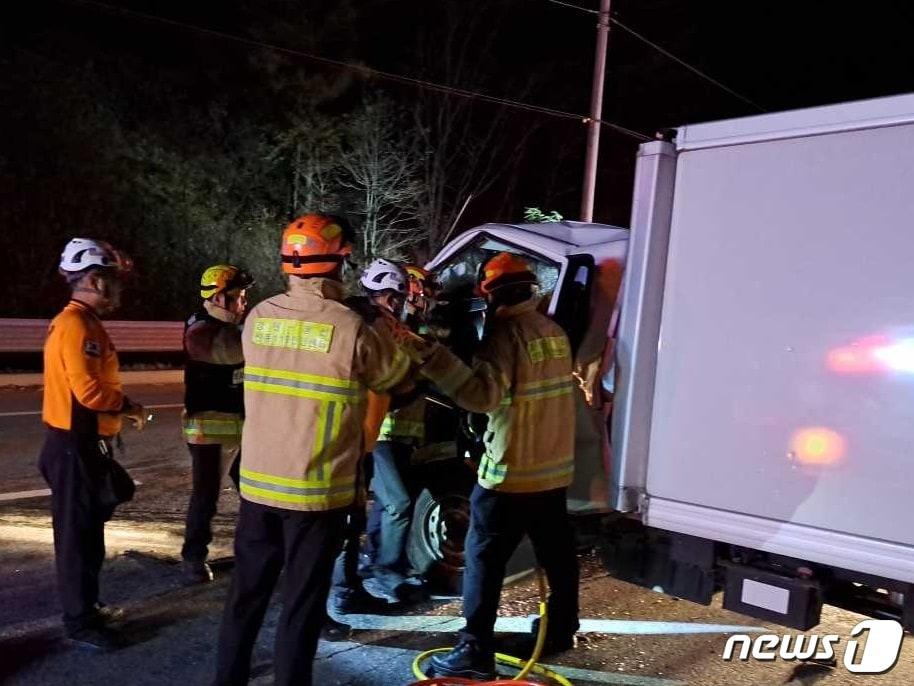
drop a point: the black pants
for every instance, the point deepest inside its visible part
(391, 489)
(498, 522)
(346, 568)
(70, 464)
(266, 541)
(211, 463)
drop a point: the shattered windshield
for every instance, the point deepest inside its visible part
(461, 270)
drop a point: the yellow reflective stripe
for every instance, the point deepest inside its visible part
(308, 378)
(298, 393)
(328, 430)
(546, 388)
(399, 365)
(212, 427)
(540, 383)
(316, 466)
(292, 334)
(328, 500)
(295, 483)
(519, 473)
(488, 467)
(301, 491)
(313, 386)
(402, 427)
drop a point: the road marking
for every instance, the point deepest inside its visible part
(37, 493)
(23, 495)
(32, 413)
(610, 678)
(520, 625)
(344, 654)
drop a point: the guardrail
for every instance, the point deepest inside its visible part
(27, 335)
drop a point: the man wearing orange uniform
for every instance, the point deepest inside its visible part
(82, 408)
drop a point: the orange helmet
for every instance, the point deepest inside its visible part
(314, 244)
(505, 269)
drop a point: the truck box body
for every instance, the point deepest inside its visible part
(765, 395)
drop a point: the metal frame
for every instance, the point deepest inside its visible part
(639, 324)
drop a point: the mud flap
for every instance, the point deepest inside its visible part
(676, 564)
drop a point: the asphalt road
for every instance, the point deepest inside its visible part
(636, 638)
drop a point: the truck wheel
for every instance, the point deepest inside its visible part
(435, 546)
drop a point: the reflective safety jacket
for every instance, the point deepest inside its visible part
(82, 385)
(308, 362)
(213, 379)
(521, 378)
(405, 424)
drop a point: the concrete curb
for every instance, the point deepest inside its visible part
(154, 376)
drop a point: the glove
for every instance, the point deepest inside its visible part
(136, 413)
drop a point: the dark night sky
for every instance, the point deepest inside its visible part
(779, 54)
(782, 55)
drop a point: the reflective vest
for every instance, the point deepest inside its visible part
(82, 385)
(213, 381)
(309, 360)
(212, 428)
(405, 424)
(521, 378)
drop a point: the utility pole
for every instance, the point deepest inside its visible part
(596, 113)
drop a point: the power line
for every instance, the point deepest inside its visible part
(685, 64)
(362, 69)
(665, 52)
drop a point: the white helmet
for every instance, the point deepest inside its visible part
(384, 275)
(82, 253)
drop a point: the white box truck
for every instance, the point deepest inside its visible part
(753, 335)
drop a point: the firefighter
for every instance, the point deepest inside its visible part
(83, 405)
(213, 405)
(403, 428)
(423, 290)
(522, 379)
(308, 361)
(377, 300)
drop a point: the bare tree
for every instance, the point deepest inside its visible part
(464, 143)
(380, 170)
(311, 150)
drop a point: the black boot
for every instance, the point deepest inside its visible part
(195, 572)
(347, 601)
(466, 660)
(107, 614)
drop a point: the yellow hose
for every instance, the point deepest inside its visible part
(525, 666)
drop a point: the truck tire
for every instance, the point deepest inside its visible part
(435, 545)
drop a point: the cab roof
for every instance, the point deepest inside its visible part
(574, 234)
